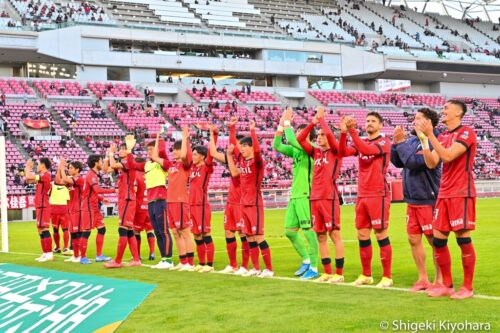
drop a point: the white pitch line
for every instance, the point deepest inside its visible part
(284, 278)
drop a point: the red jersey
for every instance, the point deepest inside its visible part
(126, 182)
(141, 192)
(457, 180)
(156, 192)
(75, 194)
(234, 193)
(373, 158)
(199, 178)
(178, 177)
(252, 173)
(327, 166)
(91, 191)
(43, 186)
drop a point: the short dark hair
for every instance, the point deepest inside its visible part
(177, 145)
(92, 160)
(239, 136)
(77, 165)
(202, 150)
(431, 115)
(45, 161)
(312, 134)
(123, 145)
(459, 103)
(151, 144)
(246, 141)
(376, 115)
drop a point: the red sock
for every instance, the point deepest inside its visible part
(210, 250)
(76, 247)
(339, 266)
(327, 265)
(386, 256)
(190, 258)
(365, 253)
(183, 259)
(254, 255)
(84, 242)
(99, 242)
(201, 251)
(266, 255)
(66, 238)
(57, 239)
(48, 244)
(232, 248)
(138, 241)
(122, 245)
(151, 242)
(245, 253)
(443, 260)
(468, 263)
(132, 244)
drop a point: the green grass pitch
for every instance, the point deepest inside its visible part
(195, 302)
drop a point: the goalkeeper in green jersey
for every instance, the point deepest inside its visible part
(298, 214)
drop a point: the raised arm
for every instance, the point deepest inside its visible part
(395, 160)
(99, 190)
(409, 157)
(134, 165)
(163, 161)
(186, 152)
(232, 134)
(363, 147)
(279, 146)
(255, 143)
(344, 150)
(235, 172)
(458, 148)
(62, 171)
(28, 172)
(217, 155)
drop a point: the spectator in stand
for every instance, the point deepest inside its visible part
(2, 100)
(88, 141)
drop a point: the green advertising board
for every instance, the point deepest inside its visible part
(42, 300)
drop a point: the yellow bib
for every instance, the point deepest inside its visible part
(154, 175)
(59, 195)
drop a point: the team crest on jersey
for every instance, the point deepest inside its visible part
(382, 142)
(465, 135)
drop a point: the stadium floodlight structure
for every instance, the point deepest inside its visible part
(3, 195)
(486, 10)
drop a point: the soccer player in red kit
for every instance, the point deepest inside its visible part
(456, 203)
(75, 184)
(91, 214)
(126, 203)
(141, 218)
(373, 202)
(251, 172)
(232, 214)
(178, 202)
(199, 207)
(324, 198)
(42, 206)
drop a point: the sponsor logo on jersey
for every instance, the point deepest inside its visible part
(454, 223)
(246, 170)
(321, 161)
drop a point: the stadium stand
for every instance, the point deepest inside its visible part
(113, 91)
(15, 88)
(87, 118)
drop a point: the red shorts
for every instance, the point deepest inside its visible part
(253, 220)
(59, 216)
(178, 215)
(126, 213)
(201, 216)
(232, 217)
(43, 218)
(141, 221)
(325, 215)
(454, 214)
(75, 222)
(91, 220)
(419, 219)
(372, 212)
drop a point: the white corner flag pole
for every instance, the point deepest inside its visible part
(3, 195)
